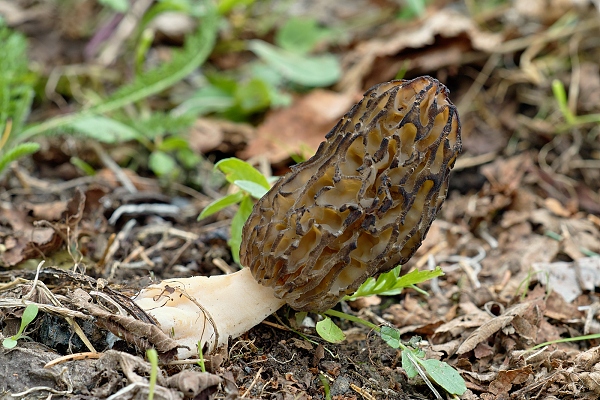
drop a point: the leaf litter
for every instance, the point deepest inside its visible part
(518, 237)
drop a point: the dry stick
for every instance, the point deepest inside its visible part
(73, 357)
(114, 167)
(253, 382)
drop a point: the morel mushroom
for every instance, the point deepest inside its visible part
(360, 206)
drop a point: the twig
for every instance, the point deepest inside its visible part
(253, 382)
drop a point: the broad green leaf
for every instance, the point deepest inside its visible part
(206, 100)
(29, 314)
(104, 129)
(274, 82)
(330, 331)
(256, 190)
(161, 163)
(408, 365)
(391, 336)
(445, 376)
(9, 343)
(315, 71)
(173, 143)
(253, 96)
(220, 204)
(239, 170)
(237, 223)
(300, 35)
(188, 158)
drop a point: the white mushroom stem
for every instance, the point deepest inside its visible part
(208, 310)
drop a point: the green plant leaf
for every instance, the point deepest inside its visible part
(253, 96)
(300, 35)
(173, 143)
(104, 129)
(316, 71)
(117, 5)
(239, 170)
(390, 284)
(237, 224)
(206, 100)
(29, 314)
(445, 376)
(161, 163)
(330, 331)
(20, 150)
(83, 166)
(256, 190)
(188, 158)
(9, 343)
(391, 336)
(408, 365)
(226, 5)
(16, 85)
(220, 204)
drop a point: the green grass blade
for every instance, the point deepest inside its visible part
(196, 50)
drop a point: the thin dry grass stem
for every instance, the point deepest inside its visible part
(253, 382)
(467, 99)
(547, 36)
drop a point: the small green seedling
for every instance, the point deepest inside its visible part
(413, 359)
(29, 315)
(572, 120)
(153, 359)
(201, 357)
(414, 362)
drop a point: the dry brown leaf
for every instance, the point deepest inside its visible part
(300, 128)
(494, 325)
(506, 379)
(447, 23)
(30, 239)
(591, 380)
(219, 135)
(472, 317)
(569, 279)
(588, 359)
(192, 383)
(142, 334)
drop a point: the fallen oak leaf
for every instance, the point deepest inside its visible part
(494, 325)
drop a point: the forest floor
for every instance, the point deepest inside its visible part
(518, 237)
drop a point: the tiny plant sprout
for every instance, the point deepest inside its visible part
(359, 207)
(29, 315)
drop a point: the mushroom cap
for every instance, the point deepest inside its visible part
(363, 203)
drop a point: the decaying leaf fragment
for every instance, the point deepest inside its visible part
(363, 203)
